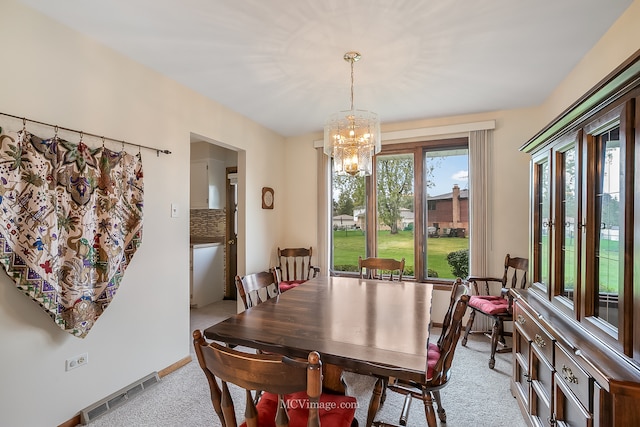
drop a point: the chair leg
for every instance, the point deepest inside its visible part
(495, 334)
(428, 409)
(441, 412)
(472, 316)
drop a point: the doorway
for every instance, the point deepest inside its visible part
(214, 213)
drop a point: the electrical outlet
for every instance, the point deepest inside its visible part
(77, 361)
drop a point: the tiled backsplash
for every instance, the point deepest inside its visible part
(208, 223)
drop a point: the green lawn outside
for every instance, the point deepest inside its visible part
(348, 245)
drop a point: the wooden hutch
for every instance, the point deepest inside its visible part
(576, 336)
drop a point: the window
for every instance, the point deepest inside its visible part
(395, 211)
(445, 180)
(415, 206)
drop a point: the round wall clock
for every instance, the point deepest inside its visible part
(267, 198)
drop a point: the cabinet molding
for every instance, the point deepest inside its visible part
(615, 85)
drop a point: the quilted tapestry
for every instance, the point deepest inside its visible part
(70, 222)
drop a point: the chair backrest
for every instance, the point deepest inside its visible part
(515, 272)
(514, 276)
(448, 342)
(457, 290)
(258, 287)
(257, 372)
(294, 264)
(381, 268)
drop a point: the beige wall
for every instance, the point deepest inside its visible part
(54, 75)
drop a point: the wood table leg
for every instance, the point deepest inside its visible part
(374, 404)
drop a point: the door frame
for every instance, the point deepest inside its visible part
(231, 241)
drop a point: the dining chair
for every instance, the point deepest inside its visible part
(439, 362)
(381, 268)
(494, 300)
(294, 267)
(291, 388)
(257, 287)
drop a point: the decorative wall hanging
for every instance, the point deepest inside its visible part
(70, 222)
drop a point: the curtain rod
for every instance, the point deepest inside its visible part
(24, 120)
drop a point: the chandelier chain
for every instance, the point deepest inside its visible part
(351, 60)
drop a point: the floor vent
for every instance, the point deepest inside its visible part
(92, 412)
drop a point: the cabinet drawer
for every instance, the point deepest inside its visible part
(539, 406)
(577, 380)
(540, 371)
(535, 333)
(520, 346)
(521, 381)
(568, 410)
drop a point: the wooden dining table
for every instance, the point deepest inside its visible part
(370, 327)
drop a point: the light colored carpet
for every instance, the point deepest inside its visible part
(475, 396)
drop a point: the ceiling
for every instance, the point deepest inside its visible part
(279, 62)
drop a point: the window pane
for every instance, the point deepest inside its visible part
(608, 245)
(447, 213)
(348, 222)
(568, 223)
(395, 213)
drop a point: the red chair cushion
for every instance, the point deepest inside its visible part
(286, 285)
(489, 304)
(433, 354)
(335, 410)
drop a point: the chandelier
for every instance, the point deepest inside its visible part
(352, 137)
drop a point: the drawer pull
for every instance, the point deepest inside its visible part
(521, 319)
(568, 375)
(540, 342)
